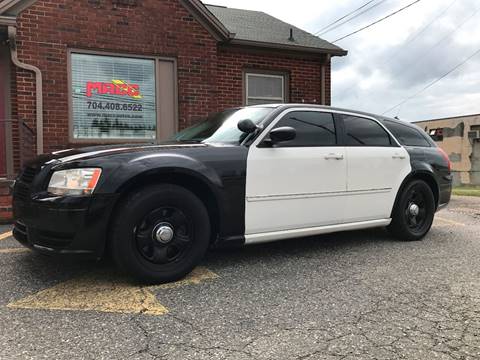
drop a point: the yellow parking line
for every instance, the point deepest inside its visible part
(196, 277)
(14, 251)
(450, 221)
(94, 293)
(5, 235)
(105, 291)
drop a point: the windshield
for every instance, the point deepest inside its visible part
(222, 127)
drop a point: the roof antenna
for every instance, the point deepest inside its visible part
(291, 38)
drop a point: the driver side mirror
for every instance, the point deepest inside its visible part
(282, 134)
(247, 126)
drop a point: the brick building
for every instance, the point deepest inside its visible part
(82, 72)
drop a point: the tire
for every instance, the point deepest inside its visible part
(405, 225)
(160, 233)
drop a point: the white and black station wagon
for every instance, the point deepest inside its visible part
(244, 176)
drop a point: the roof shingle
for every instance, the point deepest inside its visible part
(259, 27)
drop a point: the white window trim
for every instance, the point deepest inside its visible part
(281, 99)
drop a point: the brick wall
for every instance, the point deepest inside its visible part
(304, 74)
(5, 202)
(152, 27)
(328, 83)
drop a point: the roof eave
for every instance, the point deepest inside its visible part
(296, 48)
(458, 117)
(8, 21)
(14, 7)
(207, 19)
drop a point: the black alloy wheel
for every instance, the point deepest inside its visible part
(416, 209)
(160, 233)
(414, 212)
(164, 235)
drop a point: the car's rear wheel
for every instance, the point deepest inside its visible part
(414, 212)
(160, 233)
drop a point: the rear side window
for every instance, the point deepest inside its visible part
(406, 135)
(313, 129)
(364, 132)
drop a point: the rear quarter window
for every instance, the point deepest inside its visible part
(365, 132)
(407, 135)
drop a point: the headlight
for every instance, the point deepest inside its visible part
(74, 181)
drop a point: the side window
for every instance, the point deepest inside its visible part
(406, 135)
(364, 132)
(313, 129)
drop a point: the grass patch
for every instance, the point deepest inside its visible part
(467, 191)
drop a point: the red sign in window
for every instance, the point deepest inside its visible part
(116, 87)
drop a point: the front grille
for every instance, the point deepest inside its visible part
(20, 232)
(22, 188)
(53, 240)
(28, 175)
(20, 227)
(21, 191)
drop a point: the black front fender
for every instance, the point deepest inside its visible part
(221, 189)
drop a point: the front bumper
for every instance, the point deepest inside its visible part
(64, 225)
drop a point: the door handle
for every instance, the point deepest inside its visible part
(398, 156)
(334, 157)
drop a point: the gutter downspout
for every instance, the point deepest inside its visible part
(12, 35)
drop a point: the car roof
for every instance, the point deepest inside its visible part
(282, 106)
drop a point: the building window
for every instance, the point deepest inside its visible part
(113, 98)
(436, 134)
(264, 89)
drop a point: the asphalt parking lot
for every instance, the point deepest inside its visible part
(357, 295)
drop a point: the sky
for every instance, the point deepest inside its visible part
(397, 58)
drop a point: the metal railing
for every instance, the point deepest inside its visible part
(17, 146)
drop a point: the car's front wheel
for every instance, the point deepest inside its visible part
(160, 233)
(414, 212)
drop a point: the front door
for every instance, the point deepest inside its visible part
(298, 184)
(377, 166)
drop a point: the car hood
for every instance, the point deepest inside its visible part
(93, 152)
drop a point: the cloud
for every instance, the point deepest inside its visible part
(384, 65)
(404, 67)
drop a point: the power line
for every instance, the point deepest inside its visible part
(434, 82)
(353, 17)
(426, 27)
(416, 36)
(428, 51)
(344, 17)
(378, 21)
(449, 35)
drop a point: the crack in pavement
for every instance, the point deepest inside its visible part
(422, 327)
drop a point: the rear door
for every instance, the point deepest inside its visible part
(297, 184)
(377, 166)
